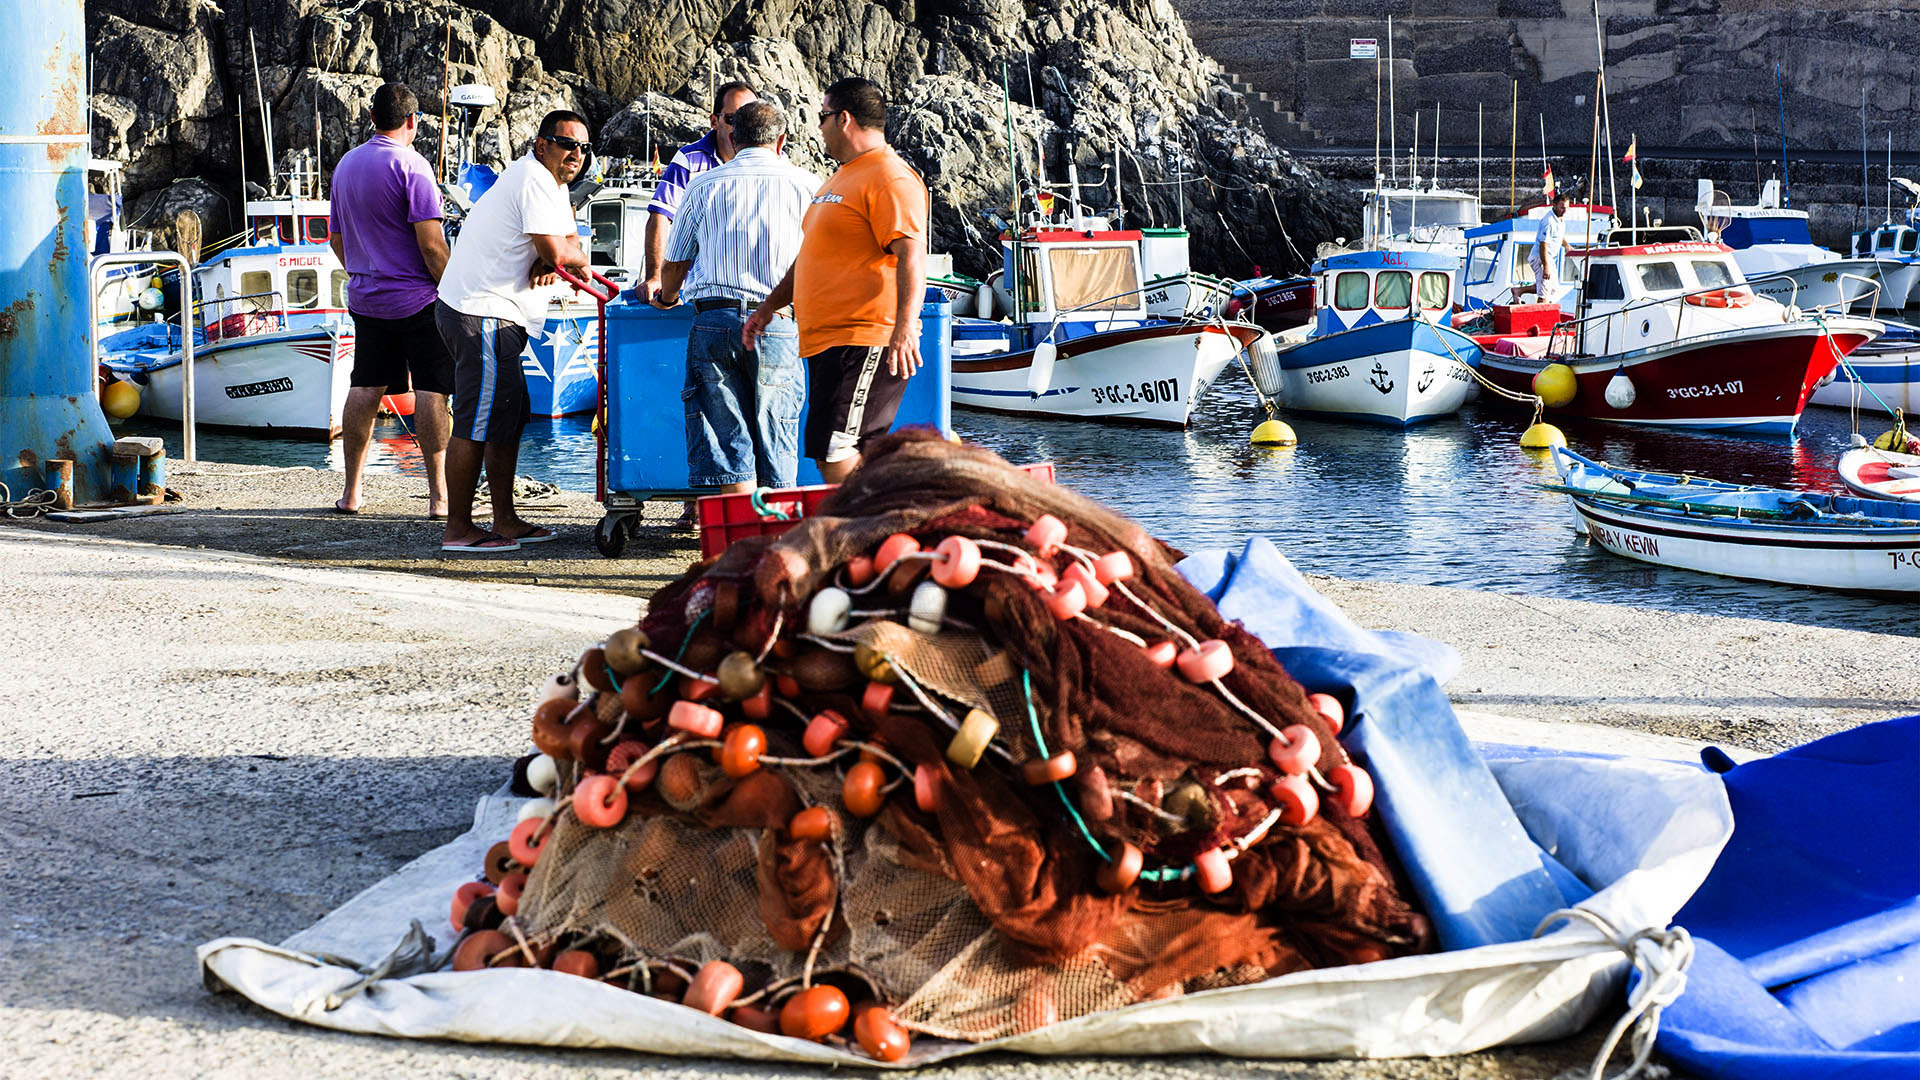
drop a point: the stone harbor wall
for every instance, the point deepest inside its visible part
(1119, 88)
(1681, 73)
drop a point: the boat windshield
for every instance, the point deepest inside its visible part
(1713, 273)
(1393, 289)
(1436, 291)
(1094, 278)
(1350, 291)
(1410, 213)
(1660, 277)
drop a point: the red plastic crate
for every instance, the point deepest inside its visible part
(726, 518)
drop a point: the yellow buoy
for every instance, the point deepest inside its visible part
(1272, 432)
(1541, 436)
(1556, 385)
(1898, 440)
(120, 399)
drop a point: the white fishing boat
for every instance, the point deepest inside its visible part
(1380, 349)
(1757, 533)
(1772, 247)
(1082, 339)
(1893, 244)
(1434, 219)
(273, 340)
(1882, 374)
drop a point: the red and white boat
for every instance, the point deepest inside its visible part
(1881, 474)
(1671, 333)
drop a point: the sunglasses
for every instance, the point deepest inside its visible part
(569, 145)
(828, 114)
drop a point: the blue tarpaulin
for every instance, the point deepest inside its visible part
(1479, 876)
(1807, 932)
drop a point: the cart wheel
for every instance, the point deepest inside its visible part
(610, 539)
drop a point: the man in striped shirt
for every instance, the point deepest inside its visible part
(733, 240)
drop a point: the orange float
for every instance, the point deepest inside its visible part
(1295, 798)
(600, 801)
(463, 898)
(526, 840)
(880, 1035)
(891, 549)
(741, 752)
(860, 791)
(1118, 874)
(695, 719)
(1211, 871)
(823, 731)
(714, 987)
(1050, 770)
(959, 563)
(1046, 534)
(508, 896)
(1206, 661)
(814, 1013)
(577, 962)
(1352, 789)
(813, 823)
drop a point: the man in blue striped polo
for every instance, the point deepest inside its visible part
(736, 235)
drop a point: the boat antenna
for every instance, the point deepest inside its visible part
(266, 121)
(1545, 165)
(1393, 140)
(1480, 157)
(1889, 175)
(446, 91)
(1780, 96)
(1013, 182)
(1513, 153)
(240, 142)
(1866, 201)
(1606, 113)
(1436, 146)
(1413, 178)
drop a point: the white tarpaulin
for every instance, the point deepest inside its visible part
(1642, 833)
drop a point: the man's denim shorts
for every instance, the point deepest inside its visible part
(742, 407)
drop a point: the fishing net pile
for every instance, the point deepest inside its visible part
(959, 754)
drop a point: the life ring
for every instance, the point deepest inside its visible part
(1720, 298)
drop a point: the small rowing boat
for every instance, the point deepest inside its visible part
(1758, 533)
(1880, 474)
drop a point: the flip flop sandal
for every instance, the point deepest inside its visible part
(537, 536)
(483, 546)
(338, 509)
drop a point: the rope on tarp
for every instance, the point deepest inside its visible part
(412, 956)
(1662, 958)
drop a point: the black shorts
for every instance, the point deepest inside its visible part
(385, 351)
(851, 400)
(489, 386)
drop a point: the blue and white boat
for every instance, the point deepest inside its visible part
(1897, 246)
(1757, 533)
(1380, 348)
(1881, 374)
(1776, 253)
(273, 342)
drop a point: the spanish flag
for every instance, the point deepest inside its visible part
(1632, 146)
(1547, 186)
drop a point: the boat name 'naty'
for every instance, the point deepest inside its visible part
(1625, 541)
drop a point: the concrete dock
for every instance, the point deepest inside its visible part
(230, 718)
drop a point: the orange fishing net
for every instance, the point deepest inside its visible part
(986, 783)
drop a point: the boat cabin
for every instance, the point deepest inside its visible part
(284, 274)
(1410, 217)
(1638, 295)
(1499, 254)
(1763, 224)
(1081, 282)
(1362, 288)
(1892, 241)
(615, 219)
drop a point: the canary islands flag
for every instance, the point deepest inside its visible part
(1633, 146)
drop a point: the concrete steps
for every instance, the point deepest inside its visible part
(1280, 124)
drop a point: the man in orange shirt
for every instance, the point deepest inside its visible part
(856, 286)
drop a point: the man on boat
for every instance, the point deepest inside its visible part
(736, 235)
(1550, 251)
(857, 284)
(385, 229)
(493, 297)
(710, 151)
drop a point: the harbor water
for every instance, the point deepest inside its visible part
(1452, 503)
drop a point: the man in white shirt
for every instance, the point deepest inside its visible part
(1550, 251)
(737, 233)
(492, 298)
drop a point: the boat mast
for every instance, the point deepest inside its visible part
(266, 121)
(1393, 140)
(1606, 112)
(1480, 158)
(1866, 210)
(1013, 181)
(446, 61)
(1436, 147)
(1376, 129)
(1413, 177)
(1779, 95)
(1513, 153)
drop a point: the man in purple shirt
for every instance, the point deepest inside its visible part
(711, 150)
(386, 231)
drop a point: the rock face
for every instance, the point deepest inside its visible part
(1116, 89)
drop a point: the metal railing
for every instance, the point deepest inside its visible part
(215, 328)
(173, 258)
(1574, 328)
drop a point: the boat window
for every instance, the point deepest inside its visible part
(1659, 277)
(1907, 242)
(1713, 273)
(1882, 242)
(1523, 264)
(257, 284)
(1030, 280)
(1480, 263)
(303, 288)
(1393, 289)
(340, 279)
(1408, 212)
(1350, 291)
(285, 230)
(1094, 278)
(604, 219)
(1436, 292)
(1603, 283)
(317, 230)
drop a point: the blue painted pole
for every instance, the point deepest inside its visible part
(48, 409)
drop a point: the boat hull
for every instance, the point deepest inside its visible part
(1897, 282)
(1755, 379)
(562, 365)
(1148, 375)
(1755, 551)
(1277, 304)
(1881, 474)
(1395, 373)
(292, 384)
(1820, 284)
(1893, 374)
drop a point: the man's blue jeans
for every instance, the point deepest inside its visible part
(742, 405)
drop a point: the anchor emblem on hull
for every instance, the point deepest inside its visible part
(1426, 379)
(1381, 381)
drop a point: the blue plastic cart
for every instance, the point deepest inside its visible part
(642, 428)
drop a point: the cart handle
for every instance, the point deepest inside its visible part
(613, 289)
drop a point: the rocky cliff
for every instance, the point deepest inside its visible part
(1117, 88)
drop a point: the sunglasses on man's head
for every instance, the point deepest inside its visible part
(569, 145)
